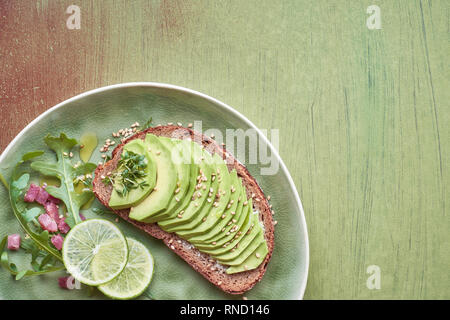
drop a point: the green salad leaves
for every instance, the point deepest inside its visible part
(66, 173)
(44, 256)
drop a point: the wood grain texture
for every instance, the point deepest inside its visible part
(363, 114)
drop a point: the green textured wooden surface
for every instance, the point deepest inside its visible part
(363, 114)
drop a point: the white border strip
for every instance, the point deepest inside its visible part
(204, 96)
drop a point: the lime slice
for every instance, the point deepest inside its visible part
(136, 276)
(95, 242)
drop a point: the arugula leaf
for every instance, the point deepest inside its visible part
(47, 264)
(101, 211)
(16, 190)
(3, 181)
(66, 173)
(31, 214)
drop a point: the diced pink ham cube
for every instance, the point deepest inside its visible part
(32, 193)
(66, 282)
(57, 241)
(42, 196)
(47, 223)
(52, 210)
(63, 226)
(53, 199)
(14, 242)
(82, 217)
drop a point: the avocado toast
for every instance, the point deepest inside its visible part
(201, 237)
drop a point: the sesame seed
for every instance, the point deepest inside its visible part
(169, 123)
(214, 242)
(219, 283)
(213, 269)
(177, 190)
(233, 213)
(71, 154)
(245, 202)
(209, 200)
(179, 241)
(177, 199)
(268, 197)
(275, 223)
(234, 220)
(223, 216)
(204, 219)
(246, 267)
(257, 255)
(158, 153)
(65, 154)
(102, 176)
(170, 241)
(172, 247)
(190, 125)
(212, 135)
(228, 233)
(273, 212)
(179, 216)
(179, 124)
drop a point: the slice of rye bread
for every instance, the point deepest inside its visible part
(236, 283)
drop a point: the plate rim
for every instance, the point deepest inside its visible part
(215, 101)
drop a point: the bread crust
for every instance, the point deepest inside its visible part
(237, 283)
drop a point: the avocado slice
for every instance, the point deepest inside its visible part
(199, 198)
(166, 182)
(231, 229)
(195, 159)
(227, 243)
(245, 246)
(217, 205)
(223, 244)
(253, 261)
(228, 216)
(134, 196)
(181, 162)
(237, 258)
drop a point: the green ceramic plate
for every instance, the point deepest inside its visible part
(110, 108)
